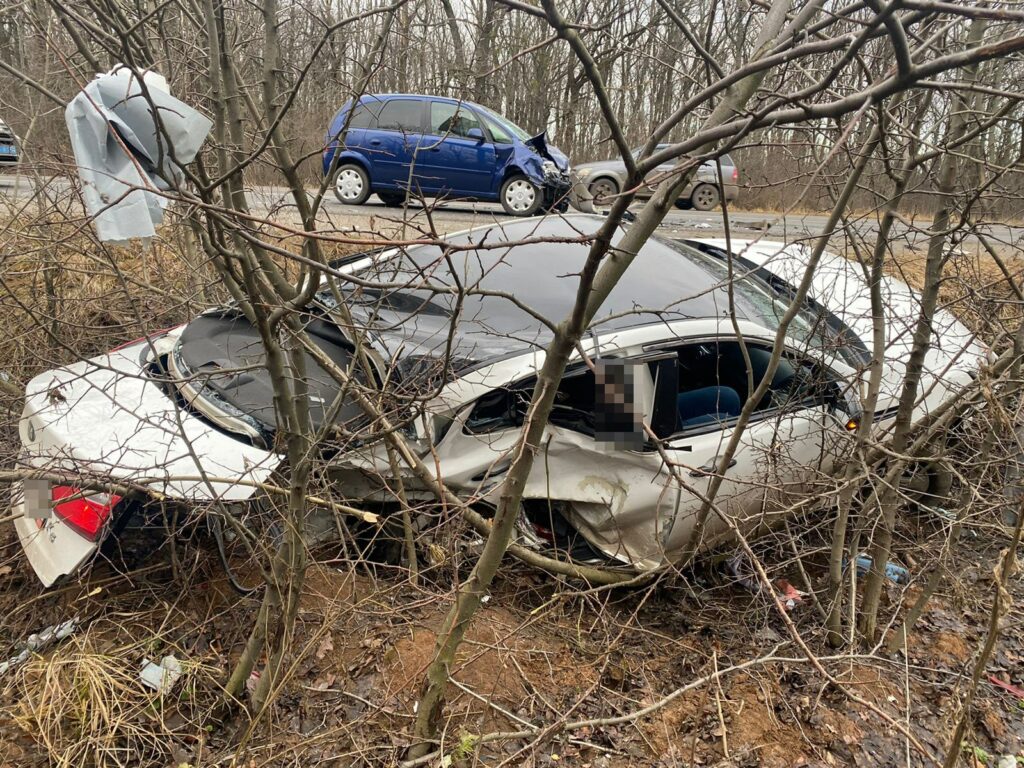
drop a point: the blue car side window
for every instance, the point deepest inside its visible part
(451, 119)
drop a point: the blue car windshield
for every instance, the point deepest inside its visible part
(507, 125)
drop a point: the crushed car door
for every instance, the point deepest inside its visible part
(778, 454)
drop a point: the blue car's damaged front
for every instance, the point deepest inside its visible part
(547, 167)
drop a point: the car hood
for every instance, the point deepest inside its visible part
(539, 144)
(601, 165)
(840, 285)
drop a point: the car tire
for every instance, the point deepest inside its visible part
(705, 197)
(392, 199)
(684, 204)
(351, 184)
(520, 196)
(602, 190)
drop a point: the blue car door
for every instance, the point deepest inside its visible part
(457, 156)
(392, 145)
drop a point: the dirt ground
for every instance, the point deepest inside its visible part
(537, 655)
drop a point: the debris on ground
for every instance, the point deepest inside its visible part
(894, 573)
(39, 642)
(790, 594)
(160, 677)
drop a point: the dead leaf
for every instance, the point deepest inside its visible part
(325, 647)
(324, 682)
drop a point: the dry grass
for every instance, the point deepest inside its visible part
(84, 704)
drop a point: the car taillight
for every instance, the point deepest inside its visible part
(85, 515)
(735, 173)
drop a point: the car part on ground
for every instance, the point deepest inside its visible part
(432, 146)
(462, 364)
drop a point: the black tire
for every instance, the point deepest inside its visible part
(392, 199)
(705, 197)
(684, 204)
(602, 190)
(351, 184)
(520, 196)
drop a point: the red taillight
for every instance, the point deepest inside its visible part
(86, 516)
(735, 173)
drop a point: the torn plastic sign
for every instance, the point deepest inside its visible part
(124, 158)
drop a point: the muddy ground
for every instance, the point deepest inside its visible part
(539, 655)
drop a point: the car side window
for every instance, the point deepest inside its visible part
(452, 119)
(714, 383)
(401, 115)
(363, 117)
(498, 133)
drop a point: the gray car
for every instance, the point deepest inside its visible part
(605, 179)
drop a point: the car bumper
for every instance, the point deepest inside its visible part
(52, 548)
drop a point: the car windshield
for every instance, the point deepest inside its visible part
(507, 125)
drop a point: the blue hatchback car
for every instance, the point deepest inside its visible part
(430, 146)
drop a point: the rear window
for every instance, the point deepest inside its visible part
(401, 115)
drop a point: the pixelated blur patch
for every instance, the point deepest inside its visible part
(617, 419)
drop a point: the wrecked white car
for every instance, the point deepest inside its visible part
(189, 412)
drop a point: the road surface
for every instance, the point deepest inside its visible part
(375, 217)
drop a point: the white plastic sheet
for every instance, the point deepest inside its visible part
(115, 113)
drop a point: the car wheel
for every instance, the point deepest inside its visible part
(351, 184)
(705, 197)
(603, 190)
(520, 196)
(684, 204)
(392, 199)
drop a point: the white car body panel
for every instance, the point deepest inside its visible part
(105, 417)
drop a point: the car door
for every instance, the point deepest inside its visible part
(393, 145)
(458, 156)
(779, 454)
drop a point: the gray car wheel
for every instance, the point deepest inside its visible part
(520, 196)
(705, 197)
(603, 190)
(351, 184)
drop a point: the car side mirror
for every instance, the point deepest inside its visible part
(476, 134)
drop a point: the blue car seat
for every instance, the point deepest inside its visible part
(707, 405)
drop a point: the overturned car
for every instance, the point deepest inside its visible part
(461, 330)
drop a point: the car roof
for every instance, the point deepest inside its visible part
(523, 266)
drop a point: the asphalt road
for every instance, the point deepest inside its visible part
(374, 216)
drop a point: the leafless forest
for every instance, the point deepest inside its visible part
(369, 601)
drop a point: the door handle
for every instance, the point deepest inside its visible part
(709, 468)
(375, 141)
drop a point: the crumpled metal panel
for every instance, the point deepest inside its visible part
(123, 158)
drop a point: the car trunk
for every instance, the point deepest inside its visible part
(221, 357)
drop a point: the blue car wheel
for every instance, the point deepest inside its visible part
(351, 184)
(520, 196)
